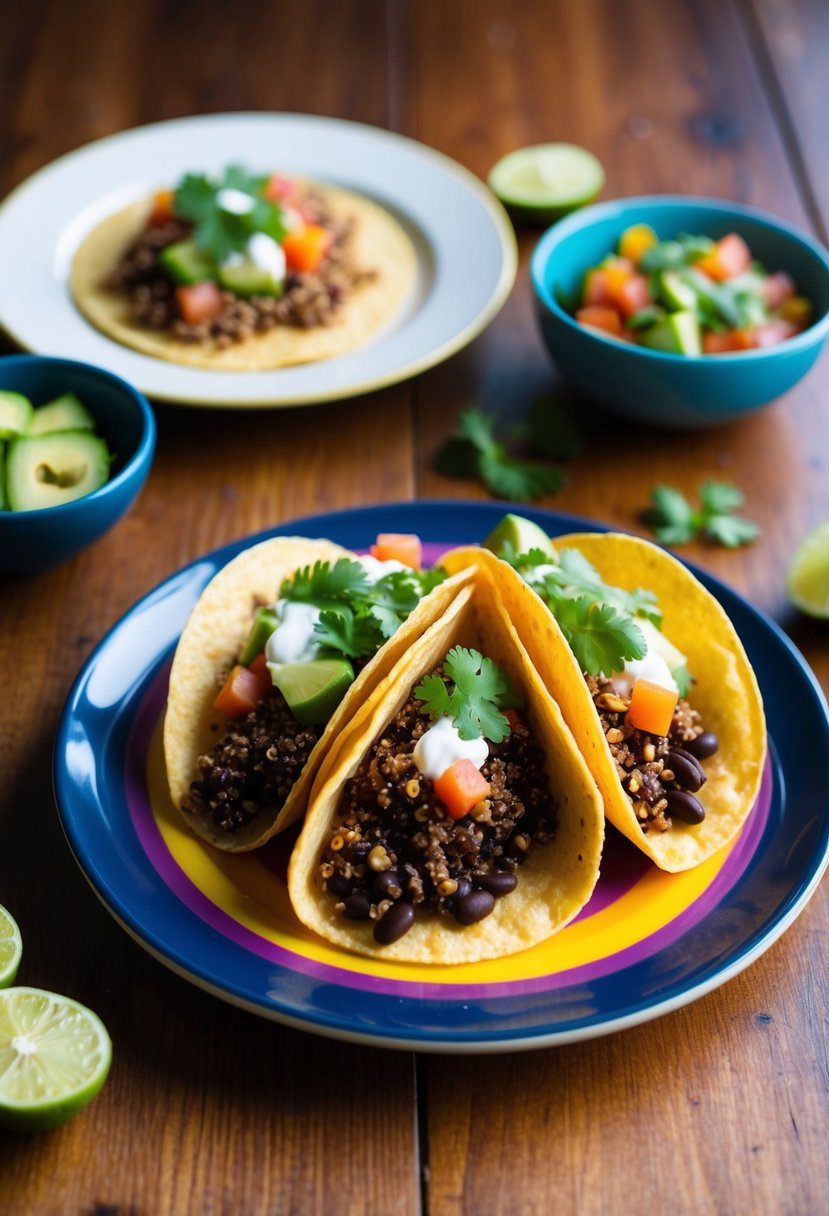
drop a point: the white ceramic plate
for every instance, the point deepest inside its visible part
(465, 243)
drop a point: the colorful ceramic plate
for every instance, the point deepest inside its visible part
(466, 247)
(647, 943)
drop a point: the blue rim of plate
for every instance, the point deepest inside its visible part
(772, 887)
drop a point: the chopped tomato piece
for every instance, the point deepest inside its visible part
(513, 717)
(461, 787)
(770, 333)
(633, 294)
(729, 257)
(651, 707)
(617, 272)
(398, 546)
(596, 287)
(635, 240)
(242, 691)
(726, 342)
(162, 211)
(199, 301)
(776, 288)
(259, 664)
(280, 189)
(305, 247)
(601, 316)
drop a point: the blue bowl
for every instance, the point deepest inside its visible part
(31, 541)
(665, 389)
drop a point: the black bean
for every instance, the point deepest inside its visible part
(357, 907)
(464, 887)
(384, 882)
(497, 882)
(684, 806)
(338, 884)
(688, 772)
(473, 907)
(704, 745)
(394, 923)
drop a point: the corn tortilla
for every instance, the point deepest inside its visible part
(556, 880)
(210, 644)
(725, 691)
(379, 243)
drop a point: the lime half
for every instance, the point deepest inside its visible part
(313, 690)
(54, 1057)
(547, 180)
(807, 580)
(11, 948)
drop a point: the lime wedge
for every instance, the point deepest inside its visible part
(11, 948)
(313, 690)
(547, 180)
(522, 534)
(54, 1057)
(807, 579)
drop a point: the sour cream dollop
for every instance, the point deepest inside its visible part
(653, 668)
(293, 640)
(265, 253)
(235, 202)
(375, 569)
(441, 746)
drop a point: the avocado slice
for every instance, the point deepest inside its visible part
(186, 263)
(522, 534)
(15, 412)
(264, 623)
(65, 413)
(676, 292)
(678, 334)
(50, 470)
(248, 279)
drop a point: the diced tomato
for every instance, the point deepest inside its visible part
(398, 546)
(162, 211)
(242, 691)
(617, 271)
(633, 294)
(729, 257)
(595, 287)
(259, 664)
(461, 787)
(601, 316)
(199, 301)
(651, 707)
(776, 288)
(513, 717)
(770, 333)
(726, 342)
(305, 247)
(280, 189)
(635, 240)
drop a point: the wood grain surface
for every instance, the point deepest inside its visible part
(720, 1107)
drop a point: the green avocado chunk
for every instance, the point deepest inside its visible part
(50, 470)
(248, 279)
(15, 412)
(264, 623)
(678, 334)
(186, 263)
(522, 534)
(65, 413)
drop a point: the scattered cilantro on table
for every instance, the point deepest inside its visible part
(480, 691)
(674, 520)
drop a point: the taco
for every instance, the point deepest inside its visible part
(273, 671)
(461, 822)
(245, 272)
(652, 680)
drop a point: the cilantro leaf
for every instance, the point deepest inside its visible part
(600, 636)
(675, 521)
(353, 634)
(220, 232)
(480, 689)
(683, 679)
(474, 451)
(518, 480)
(322, 581)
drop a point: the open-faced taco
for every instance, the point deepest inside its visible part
(652, 680)
(461, 822)
(275, 668)
(245, 272)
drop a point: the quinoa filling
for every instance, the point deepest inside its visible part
(394, 848)
(659, 773)
(254, 766)
(308, 299)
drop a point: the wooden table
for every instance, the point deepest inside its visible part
(720, 1107)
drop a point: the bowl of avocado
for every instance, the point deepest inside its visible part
(76, 446)
(680, 312)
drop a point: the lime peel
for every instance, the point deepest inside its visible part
(11, 948)
(545, 181)
(807, 579)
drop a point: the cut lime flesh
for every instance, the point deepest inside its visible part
(54, 1057)
(547, 180)
(522, 534)
(11, 948)
(313, 690)
(807, 579)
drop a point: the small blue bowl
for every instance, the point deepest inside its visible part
(664, 389)
(31, 541)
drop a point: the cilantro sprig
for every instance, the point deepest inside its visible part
(358, 616)
(473, 695)
(674, 520)
(474, 451)
(220, 232)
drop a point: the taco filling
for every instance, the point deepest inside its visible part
(443, 809)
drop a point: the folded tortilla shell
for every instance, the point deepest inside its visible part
(379, 243)
(725, 691)
(210, 644)
(556, 880)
